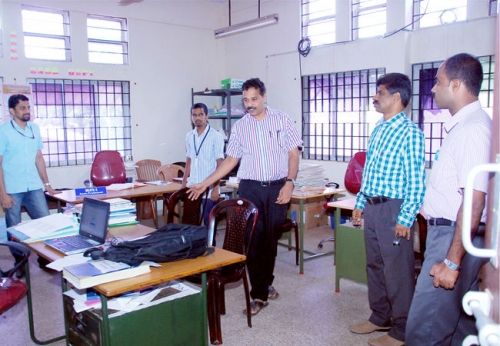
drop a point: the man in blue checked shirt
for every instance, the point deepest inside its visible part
(391, 195)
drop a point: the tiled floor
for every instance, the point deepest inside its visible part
(308, 311)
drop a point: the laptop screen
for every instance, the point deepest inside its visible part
(94, 219)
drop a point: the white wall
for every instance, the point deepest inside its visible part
(172, 49)
(271, 53)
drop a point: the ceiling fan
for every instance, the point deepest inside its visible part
(127, 2)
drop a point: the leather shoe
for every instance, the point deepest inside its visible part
(385, 340)
(366, 327)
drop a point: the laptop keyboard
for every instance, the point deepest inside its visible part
(77, 242)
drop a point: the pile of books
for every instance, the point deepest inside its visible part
(122, 212)
(97, 272)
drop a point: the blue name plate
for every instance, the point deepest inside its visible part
(90, 191)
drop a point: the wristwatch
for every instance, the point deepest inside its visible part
(46, 184)
(451, 265)
(292, 180)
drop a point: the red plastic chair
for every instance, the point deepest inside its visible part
(108, 168)
(354, 172)
(241, 217)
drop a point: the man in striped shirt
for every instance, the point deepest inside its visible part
(391, 195)
(204, 153)
(436, 316)
(266, 144)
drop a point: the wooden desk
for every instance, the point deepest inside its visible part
(167, 272)
(350, 255)
(300, 198)
(148, 192)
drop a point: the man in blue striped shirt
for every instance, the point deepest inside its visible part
(391, 195)
(204, 153)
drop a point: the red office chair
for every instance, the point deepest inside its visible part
(241, 217)
(108, 168)
(354, 172)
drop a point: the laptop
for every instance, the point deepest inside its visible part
(93, 229)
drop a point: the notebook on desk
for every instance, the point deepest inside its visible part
(93, 229)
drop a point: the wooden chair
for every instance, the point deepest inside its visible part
(241, 217)
(147, 170)
(170, 171)
(180, 209)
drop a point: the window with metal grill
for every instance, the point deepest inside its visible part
(427, 13)
(493, 11)
(78, 118)
(318, 21)
(430, 118)
(369, 18)
(337, 112)
(107, 39)
(46, 34)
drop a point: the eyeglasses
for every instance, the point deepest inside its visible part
(21, 133)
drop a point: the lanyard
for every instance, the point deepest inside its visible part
(197, 151)
(21, 133)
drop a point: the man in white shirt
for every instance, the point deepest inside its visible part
(436, 316)
(204, 153)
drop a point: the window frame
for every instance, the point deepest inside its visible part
(123, 43)
(417, 16)
(337, 131)
(434, 131)
(65, 37)
(357, 11)
(327, 20)
(75, 121)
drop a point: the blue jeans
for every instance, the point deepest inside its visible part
(35, 203)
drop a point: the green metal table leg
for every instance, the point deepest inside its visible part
(29, 299)
(204, 303)
(302, 227)
(105, 321)
(337, 223)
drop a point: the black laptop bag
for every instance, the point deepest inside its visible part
(169, 243)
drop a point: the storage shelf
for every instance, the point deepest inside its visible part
(225, 95)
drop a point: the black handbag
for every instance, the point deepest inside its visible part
(169, 243)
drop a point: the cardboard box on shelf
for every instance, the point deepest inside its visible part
(231, 83)
(315, 215)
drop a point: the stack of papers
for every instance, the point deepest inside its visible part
(88, 299)
(48, 227)
(122, 212)
(310, 175)
(124, 186)
(158, 182)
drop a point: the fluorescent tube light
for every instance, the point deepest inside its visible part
(245, 26)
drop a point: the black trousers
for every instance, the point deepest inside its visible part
(263, 248)
(390, 269)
